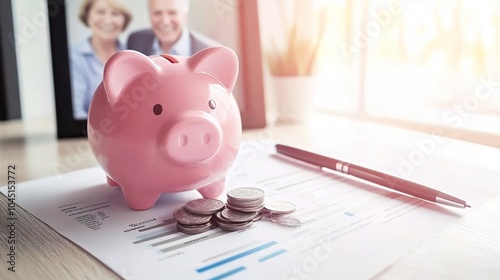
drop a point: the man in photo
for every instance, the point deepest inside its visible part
(169, 33)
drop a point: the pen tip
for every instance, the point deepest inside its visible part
(467, 206)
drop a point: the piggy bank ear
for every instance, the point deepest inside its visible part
(219, 62)
(122, 68)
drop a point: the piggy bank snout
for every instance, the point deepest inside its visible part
(193, 139)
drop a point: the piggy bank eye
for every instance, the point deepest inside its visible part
(211, 104)
(157, 109)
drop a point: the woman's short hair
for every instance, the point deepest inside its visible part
(87, 4)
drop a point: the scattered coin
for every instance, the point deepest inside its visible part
(285, 220)
(280, 207)
(204, 206)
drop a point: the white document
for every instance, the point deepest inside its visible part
(342, 229)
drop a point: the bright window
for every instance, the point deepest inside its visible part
(420, 63)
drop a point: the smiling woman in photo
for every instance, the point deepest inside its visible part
(107, 19)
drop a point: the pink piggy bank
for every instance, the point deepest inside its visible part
(163, 124)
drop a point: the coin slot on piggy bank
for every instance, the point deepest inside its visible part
(163, 124)
(169, 58)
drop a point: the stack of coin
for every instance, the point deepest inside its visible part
(231, 220)
(196, 215)
(244, 206)
(246, 199)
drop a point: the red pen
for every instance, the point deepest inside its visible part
(372, 176)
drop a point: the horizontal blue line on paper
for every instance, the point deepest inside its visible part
(237, 256)
(229, 273)
(272, 255)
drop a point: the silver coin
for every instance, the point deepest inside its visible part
(285, 220)
(233, 226)
(237, 216)
(195, 229)
(187, 218)
(246, 199)
(258, 217)
(220, 218)
(245, 193)
(247, 204)
(280, 207)
(204, 206)
(245, 209)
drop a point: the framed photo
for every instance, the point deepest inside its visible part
(10, 104)
(232, 23)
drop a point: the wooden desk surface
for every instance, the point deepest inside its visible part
(469, 249)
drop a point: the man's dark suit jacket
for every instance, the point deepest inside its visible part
(142, 41)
